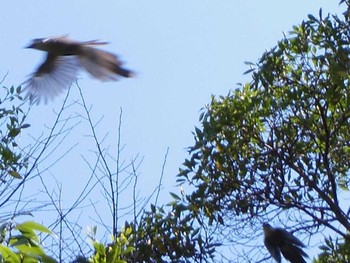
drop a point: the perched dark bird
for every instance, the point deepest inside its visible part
(65, 57)
(278, 240)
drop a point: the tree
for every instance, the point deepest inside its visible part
(160, 235)
(19, 242)
(12, 161)
(334, 251)
(278, 147)
(170, 235)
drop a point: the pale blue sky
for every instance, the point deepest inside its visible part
(182, 51)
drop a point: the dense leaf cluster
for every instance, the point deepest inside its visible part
(281, 141)
(170, 236)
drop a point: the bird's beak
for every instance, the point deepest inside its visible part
(29, 46)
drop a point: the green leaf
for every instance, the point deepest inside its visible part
(8, 256)
(24, 126)
(32, 250)
(312, 18)
(31, 225)
(175, 196)
(14, 132)
(15, 174)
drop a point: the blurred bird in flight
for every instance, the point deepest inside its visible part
(278, 240)
(65, 57)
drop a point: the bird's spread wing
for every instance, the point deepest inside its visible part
(54, 76)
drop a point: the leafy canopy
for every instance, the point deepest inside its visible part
(282, 141)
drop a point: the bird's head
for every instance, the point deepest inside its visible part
(267, 228)
(44, 43)
(38, 43)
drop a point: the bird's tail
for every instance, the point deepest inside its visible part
(293, 253)
(102, 65)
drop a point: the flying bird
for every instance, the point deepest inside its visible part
(65, 58)
(278, 240)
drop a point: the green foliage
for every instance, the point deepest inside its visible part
(20, 243)
(281, 141)
(116, 252)
(334, 251)
(171, 236)
(159, 236)
(12, 122)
